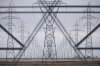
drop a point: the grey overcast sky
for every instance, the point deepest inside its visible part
(68, 20)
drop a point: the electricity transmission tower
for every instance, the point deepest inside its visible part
(89, 53)
(10, 42)
(49, 50)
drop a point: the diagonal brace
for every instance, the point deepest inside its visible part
(90, 33)
(11, 35)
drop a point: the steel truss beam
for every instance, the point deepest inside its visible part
(52, 6)
(31, 37)
(59, 12)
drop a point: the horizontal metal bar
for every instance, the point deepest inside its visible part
(11, 35)
(94, 48)
(18, 12)
(61, 6)
(11, 48)
(88, 35)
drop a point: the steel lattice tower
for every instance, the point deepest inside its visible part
(49, 42)
(10, 42)
(49, 50)
(89, 53)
